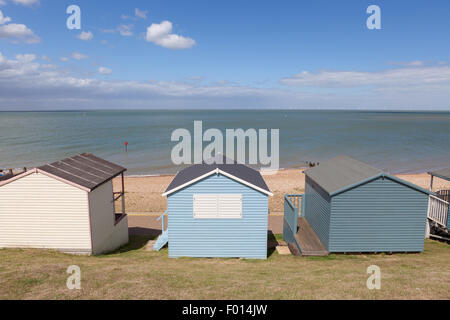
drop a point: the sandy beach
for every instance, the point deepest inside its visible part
(143, 194)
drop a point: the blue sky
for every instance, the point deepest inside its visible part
(224, 54)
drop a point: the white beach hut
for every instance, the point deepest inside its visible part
(67, 206)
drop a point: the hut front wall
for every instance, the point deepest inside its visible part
(37, 211)
(245, 237)
(379, 216)
(317, 210)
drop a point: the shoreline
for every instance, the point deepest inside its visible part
(144, 192)
(149, 175)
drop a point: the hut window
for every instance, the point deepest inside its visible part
(218, 206)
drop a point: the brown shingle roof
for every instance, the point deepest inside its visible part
(85, 170)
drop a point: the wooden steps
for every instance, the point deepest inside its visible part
(310, 244)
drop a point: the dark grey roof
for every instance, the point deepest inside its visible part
(338, 173)
(237, 170)
(85, 170)
(443, 173)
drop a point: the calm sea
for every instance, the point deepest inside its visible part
(394, 141)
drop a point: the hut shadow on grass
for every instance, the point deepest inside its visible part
(137, 240)
(139, 231)
(272, 243)
(140, 236)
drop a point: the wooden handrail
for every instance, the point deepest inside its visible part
(293, 200)
(161, 217)
(439, 199)
(438, 210)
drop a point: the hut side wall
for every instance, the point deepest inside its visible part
(105, 235)
(317, 210)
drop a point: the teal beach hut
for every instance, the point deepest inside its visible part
(349, 206)
(217, 210)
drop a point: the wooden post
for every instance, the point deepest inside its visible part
(431, 183)
(123, 194)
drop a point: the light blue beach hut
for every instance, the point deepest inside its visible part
(217, 210)
(349, 206)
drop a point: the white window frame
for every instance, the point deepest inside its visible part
(217, 214)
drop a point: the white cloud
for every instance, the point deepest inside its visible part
(27, 3)
(107, 30)
(103, 70)
(140, 13)
(64, 59)
(24, 82)
(4, 19)
(416, 63)
(79, 56)
(125, 30)
(26, 58)
(85, 36)
(17, 33)
(423, 76)
(2, 2)
(24, 65)
(161, 35)
(48, 66)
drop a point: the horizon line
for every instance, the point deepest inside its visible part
(234, 109)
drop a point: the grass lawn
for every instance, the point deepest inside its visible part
(133, 273)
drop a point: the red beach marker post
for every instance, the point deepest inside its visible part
(126, 146)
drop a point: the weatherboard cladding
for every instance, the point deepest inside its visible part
(366, 211)
(245, 237)
(317, 210)
(38, 211)
(85, 170)
(448, 218)
(238, 170)
(382, 215)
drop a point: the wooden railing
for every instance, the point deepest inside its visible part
(161, 217)
(291, 213)
(438, 210)
(444, 195)
(296, 200)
